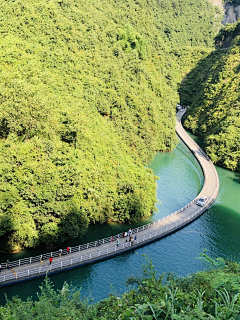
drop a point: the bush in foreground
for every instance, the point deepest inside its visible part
(212, 294)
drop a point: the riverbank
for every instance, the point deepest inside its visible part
(181, 180)
(28, 269)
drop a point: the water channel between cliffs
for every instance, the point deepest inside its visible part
(180, 181)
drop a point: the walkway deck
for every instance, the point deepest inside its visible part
(30, 268)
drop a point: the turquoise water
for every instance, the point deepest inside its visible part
(180, 181)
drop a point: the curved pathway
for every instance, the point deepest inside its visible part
(29, 268)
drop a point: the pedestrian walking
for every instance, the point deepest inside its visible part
(126, 243)
(130, 231)
(68, 250)
(98, 242)
(118, 236)
(111, 238)
(50, 260)
(135, 238)
(7, 263)
(60, 252)
(117, 242)
(126, 233)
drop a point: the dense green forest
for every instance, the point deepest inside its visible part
(211, 90)
(212, 294)
(87, 96)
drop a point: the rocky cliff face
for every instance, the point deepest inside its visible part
(231, 13)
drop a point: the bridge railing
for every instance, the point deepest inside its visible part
(108, 239)
(92, 244)
(33, 272)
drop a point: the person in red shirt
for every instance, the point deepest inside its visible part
(50, 260)
(68, 250)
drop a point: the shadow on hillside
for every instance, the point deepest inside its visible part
(198, 76)
(6, 230)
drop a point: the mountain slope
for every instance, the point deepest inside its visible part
(88, 94)
(212, 91)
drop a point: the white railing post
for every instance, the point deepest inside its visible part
(19, 262)
(71, 261)
(79, 248)
(61, 264)
(107, 251)
(31, 260)
(90, 256)
(103, 241)
(28, 272)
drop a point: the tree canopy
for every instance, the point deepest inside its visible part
(87, 97)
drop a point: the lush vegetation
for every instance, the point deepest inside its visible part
(212, 92)
(87, 96)
(212, 294)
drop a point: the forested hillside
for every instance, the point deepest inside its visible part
(87, 96)
(212, 91)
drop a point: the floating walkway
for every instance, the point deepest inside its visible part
(30, 268)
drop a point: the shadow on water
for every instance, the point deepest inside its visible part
(237, 179)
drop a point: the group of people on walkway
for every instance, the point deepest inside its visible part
(51, 258)
(131, 240)
(41, 259)
(125, 235)
(60, 254)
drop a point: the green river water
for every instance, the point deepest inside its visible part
(180, 181)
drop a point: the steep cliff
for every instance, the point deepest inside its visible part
(230, 10)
